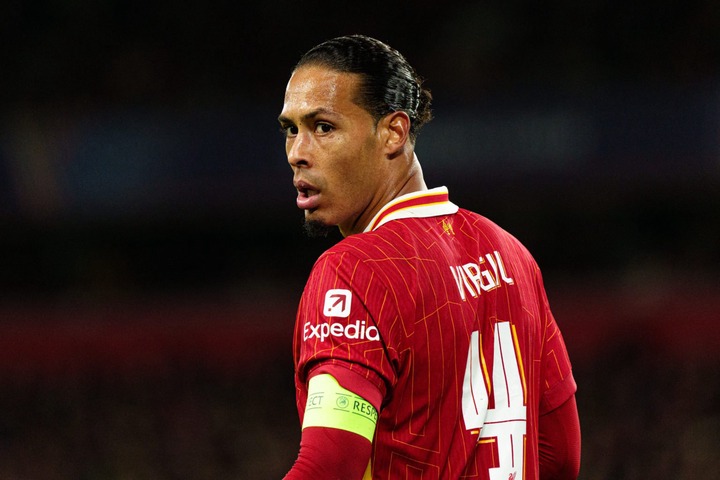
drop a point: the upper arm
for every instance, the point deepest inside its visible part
(329, 454)
(337, 432)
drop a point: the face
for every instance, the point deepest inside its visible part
(334, 149)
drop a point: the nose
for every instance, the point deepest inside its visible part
(298, 150)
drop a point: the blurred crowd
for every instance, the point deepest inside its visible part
(642, 417)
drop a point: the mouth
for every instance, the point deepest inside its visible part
(308, 196)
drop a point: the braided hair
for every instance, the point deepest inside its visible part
(388, 82)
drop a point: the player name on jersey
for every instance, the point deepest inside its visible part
(485, 275)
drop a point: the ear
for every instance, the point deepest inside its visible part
(397, 130)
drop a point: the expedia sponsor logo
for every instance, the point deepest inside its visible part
(352, 331)
(337, 303)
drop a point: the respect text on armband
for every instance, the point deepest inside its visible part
(343, 403)
(352, 331)
(364, 409)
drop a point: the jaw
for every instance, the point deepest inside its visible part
(323, 221)
(349, 216)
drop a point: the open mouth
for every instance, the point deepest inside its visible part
(308, 196)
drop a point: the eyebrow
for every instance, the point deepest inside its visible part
(312, 114)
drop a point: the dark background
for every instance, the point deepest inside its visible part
(151, 255)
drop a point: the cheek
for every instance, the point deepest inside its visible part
(354, 167)
(348, 185)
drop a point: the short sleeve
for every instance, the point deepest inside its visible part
(342, 320)
(557, 381)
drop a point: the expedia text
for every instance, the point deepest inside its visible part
(353, 331)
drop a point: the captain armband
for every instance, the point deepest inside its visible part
(330, 405)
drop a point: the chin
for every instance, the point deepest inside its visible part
(316, 228)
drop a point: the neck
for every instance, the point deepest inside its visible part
(414, 180)
(411, 180)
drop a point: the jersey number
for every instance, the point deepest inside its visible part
(505, 424)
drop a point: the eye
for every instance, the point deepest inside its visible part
(289, 130)
(323, 128)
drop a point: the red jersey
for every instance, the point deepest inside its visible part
(446, 314)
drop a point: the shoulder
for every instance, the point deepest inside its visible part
(480, 222)
(347, 255)
(488, 226)
(361, 246)
(363, 255)
(478, 231)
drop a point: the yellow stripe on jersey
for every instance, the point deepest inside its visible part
(368, 472)
(330, 405)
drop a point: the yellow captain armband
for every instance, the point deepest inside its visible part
(330, 405)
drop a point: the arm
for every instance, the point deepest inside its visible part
(330, 454)
(337, 432)
(559, 442)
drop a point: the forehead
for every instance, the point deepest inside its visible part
(313, 88)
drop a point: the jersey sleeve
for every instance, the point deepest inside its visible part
(329, 454)
(557, 383)
(345, 320)
(559, 442)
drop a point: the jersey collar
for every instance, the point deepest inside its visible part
(427, 203)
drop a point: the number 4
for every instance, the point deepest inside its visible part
(507, 422)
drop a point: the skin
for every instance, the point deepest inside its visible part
(345, 167)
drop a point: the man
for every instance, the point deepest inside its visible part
(424, 345)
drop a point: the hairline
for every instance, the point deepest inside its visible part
(357, 95)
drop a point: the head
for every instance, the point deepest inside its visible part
(352, 112)
(387, 81)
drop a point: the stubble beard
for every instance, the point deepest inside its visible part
(316, 229)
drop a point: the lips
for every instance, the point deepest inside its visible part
(308, 195)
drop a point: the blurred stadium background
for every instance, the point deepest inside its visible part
(151, 255)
